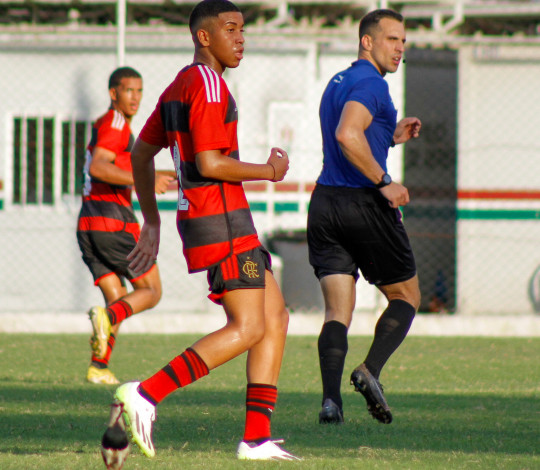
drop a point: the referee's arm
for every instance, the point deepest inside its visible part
(350, 135)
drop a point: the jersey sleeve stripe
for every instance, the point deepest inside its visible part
(211, 84)
(218, 88)
(206, 85)
(118, 121)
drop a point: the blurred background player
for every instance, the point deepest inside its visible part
(354, 221)
(196, 118)
(107, 229)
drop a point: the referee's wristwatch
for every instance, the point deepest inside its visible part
(385, 181)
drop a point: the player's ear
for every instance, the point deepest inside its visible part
(367, 42)
(203, 37)
(113, 94)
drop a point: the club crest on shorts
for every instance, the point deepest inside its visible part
(251, 269)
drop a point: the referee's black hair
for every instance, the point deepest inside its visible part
(208, 9)
(369, 22)
(120, 73)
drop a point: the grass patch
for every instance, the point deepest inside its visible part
(464, 403)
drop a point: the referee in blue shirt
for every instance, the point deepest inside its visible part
(354, 222)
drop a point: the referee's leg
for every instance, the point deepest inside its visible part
(390, 331)
(339, 292)
(394, 323)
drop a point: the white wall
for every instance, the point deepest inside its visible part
(274, 86)
(499, 150)
(278, 88)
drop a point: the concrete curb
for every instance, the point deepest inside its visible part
(300, 324)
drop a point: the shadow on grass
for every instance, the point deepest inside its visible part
(42, 418)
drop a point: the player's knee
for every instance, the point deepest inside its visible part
(155, 295)
(284, 321)
(408, 291)
(416, 303)
(248, 333)
(255, 334)
(151, 293)
(414, 298)
(277, 322)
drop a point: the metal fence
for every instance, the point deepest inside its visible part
(473, 176)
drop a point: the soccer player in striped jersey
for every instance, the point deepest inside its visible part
(107, 229)
(196, 118)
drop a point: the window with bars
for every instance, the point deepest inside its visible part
(47, 159)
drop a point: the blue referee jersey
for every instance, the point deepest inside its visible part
(363, 83)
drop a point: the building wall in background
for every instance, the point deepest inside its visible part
(278, 88)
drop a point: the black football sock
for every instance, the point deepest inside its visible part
(333, 348)
(390, 331)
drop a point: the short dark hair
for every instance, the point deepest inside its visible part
(120, 73)
(208, 9)
(369, 22)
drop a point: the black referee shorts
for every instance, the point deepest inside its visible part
(355, 228)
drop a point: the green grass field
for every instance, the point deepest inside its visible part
(464, 403)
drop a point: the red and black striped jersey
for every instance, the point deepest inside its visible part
(196, 112)
(108, 207)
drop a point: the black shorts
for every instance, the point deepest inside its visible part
(355, 228)
(245, 270)
(106, 252)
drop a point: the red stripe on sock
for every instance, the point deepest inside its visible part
(199, 367)
(158, 386)
(118, 311)
(260, 403)
(181, 368)
(181, 371)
